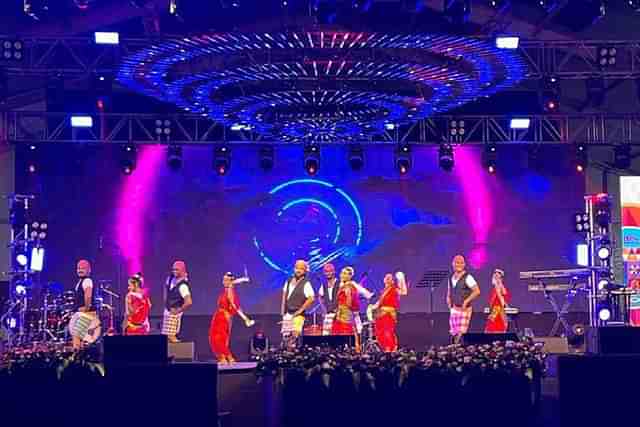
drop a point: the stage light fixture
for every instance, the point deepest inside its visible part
(227, 4)
(490, 157)
(507, 42)
(221, 159)
(445, 157)
(33, 159)
(356, 157)
(520, 123)
(128, 158)
(581, 222)
(582, 254)
(604, 312)
(83, 4)
(548, 5)
(634, 4)
(602, 209)
(21, 291)
(174, 156)
(163, 128)
(81, 121)
(390, 126)
(582, 158)
(106, 37)
(12, 49)
(622, 156)
(37, 259)
(606, 56)
(267, 157)
(403, 158)
(456, 130)
(457, 12)
(550, 92)
(22, 260)
(312, 159)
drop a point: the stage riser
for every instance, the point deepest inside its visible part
(415, 330)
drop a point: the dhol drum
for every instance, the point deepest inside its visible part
(85, 325)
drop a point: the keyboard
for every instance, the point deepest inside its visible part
(551, 287)
(555, 274)
(510, 311)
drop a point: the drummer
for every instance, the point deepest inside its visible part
(84, 304)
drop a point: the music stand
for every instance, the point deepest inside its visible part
(431, 279)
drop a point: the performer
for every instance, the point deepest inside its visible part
(297, 296)
(138, 307)
(85, 304)
(634, 309)
(387, 311)
(220, 328)
(177, 300)
(328, 293)
(499, 298)
(461, 292)
(344, 323)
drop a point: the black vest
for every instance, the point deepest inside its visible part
(174, 299)
(79, 295)
(330, 304)
(297, 298)
(461, 291)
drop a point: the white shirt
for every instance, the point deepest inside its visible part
(86, 283)
(470, 282)
(308, 289)
(183, 289)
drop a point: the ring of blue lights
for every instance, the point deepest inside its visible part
(349, 84)
(287, 204)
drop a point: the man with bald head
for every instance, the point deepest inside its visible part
(462, 289)
(84, 304)
(297, 296)
(328, 294)
(177, 300)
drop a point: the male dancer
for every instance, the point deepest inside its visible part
(297, 296)
(177, 296)
(84, 304)
(461, 291)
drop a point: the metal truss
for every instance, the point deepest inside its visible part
(39, 127)
(563, 59)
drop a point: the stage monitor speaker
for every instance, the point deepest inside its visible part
(124, 350)
(614, 340)
(331, 341)
(182, 351)
(553, 345)
(482, 338)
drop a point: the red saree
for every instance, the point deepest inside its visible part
(220, 328)
(497, 320)
(387, 319)
(343, 324)
(138, 306)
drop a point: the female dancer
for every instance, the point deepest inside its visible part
(220, 329)
(138, 307)
(348, 304)
(498, 300)
(387, 311)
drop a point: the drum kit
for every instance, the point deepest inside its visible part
(53, 320)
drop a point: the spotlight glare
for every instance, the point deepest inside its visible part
(508, 42)
(604, 252)
(102, 37)
(445, 157)
(604, 314)
(520, 123)
(81, 121)
(22, 260)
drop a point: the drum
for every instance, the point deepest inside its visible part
(69, 300)
(86, 326)
(32, 320)
(314, 330)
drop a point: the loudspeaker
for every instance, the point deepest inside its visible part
(613, 340)
(182, 351)
(331, 341)
(482, 338)
(554, 345)
(123, 350)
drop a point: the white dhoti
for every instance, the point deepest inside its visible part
(357, 322)
(85, 326)
(171, 323)
(327, 323)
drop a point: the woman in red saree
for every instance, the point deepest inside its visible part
(220, 328)
(138, 307)
(387, 311)
(348, 304)
(499, 298)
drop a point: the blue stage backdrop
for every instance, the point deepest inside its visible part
(373, 219)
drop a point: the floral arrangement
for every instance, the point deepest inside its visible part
(510, 358)
(53, 358)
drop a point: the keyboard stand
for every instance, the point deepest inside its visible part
(560, 312)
